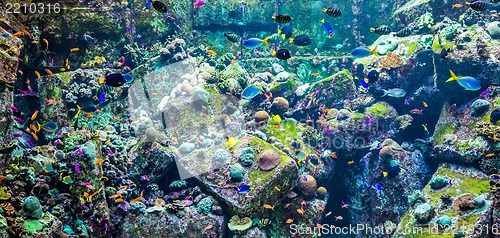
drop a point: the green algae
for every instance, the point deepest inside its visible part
(289, 86)
(378, 110)
(3, 194)
(287, 130)
(357, 116)
(442, 131)
(259, 177)
(32, 225)
(65, 78)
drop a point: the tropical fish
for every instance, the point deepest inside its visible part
(199, 3)
(48, 126)
(6, 35)
(244, 188)
(159, 6)
(275, 38)
(250, 92)
(339, 46)
(211, 52)
(289, 220)
(425, 104)
(231, 142)
(277, 189)
(267, 206)
(265, 222)
(381, 30)
(489, 155)
(467, 82)
(49, 72)
(275, 120)
(373, 76)
(232, 37)
(339, 218)
(495, 176)
(416, 111)
(392, 172)
(77, 167)
(282, 54)
(35, 114)
(403, 32)
(46, 43)
(74, 49)
(302, 40)
(333, 12)
(361, 52)
(350, 162)
(48, 167)
(456, 5)
(394, 92)
(286, 32)
(67, 180)
(113, 80)
(300, 211)
(253, 43)
(363, 82)
(476, 5)
(344, 205)
(88, 38)
(282, 18)
(327, 26)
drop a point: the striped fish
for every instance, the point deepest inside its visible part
(333, 12)
(232, 37)
(404, 32)
(282, 18)
(476, 6)
(381, 30)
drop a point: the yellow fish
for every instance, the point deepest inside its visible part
(275, 120)
(211, 52)
(277, 189)
(37, 74)
(74, 49)
(231, 142)
(267, 206)
(46, 43)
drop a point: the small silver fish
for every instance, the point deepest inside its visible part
(394, 92)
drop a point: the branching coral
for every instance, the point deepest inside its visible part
(391, 61)
(96, 62)
(488, 130)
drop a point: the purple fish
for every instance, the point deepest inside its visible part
(59, 133)
(18, 135)
(406, 101)
(122, 206)
(57, 142)
(77, 168)
(369, 121)
(483, 93)
(328, 131)
(144, 44)
(85, 207)
(106, 226)
(30, 143)
(145, 177)
(79, 152)
(19, 120)
(14, 108)
(111, 152)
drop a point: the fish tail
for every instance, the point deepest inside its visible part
(266, 40)
(101, 80)
(274, 18)
(273, 53)
(78, 112)
(322, 20)
(374, 51)
(385, 174)
(453, 77)
(324, 9)
(385, 92)
(291, 40)
(283, 36)
(467, 3)
(372, 29)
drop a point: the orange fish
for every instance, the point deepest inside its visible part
(300, 211)
(328, 214)
(86, 51)
(98, 161)
(89, 115)
(34, 128)
(34, 136)
(2, 177)
(315, 74)
(74, 49)
(350, 162)
(116, 118)
(304, 203)
(46, 43)
(489, 155)
(37, 74)
(25, 32)
(289, 220)
(107, 141)
(425, 104)
(287, 205)
(49, 72)
(456, 5)
(319, 225)
(116, 195)
(321, 208)
(211, 52)
(208, 227)
(118, 200)
(140, 198)
(267, 206)
(333, 155)
(339, 218)
(35, 114)
(67, 63)
(234, 61)
(18, 34)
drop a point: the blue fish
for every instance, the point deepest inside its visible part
(467, 82)
(6, 35)
(302, 40)
(148, 4)
(363, 82)
(379, 187)
(339, 46)
(48, 167)
(495, 116)
(286, 32)
(362, 52)
(67, 180)
(102, 97)
(328, 28)
(253, 43)
(49, 126)
(219, 46)
(244, 188)
(250, 92)
(89, 108)
(128, 78)
(88, 38)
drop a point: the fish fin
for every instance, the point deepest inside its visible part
(78, 112)
(265, 41)
(374, 51)
(453, 77)
(101, 80)
(385, 92)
